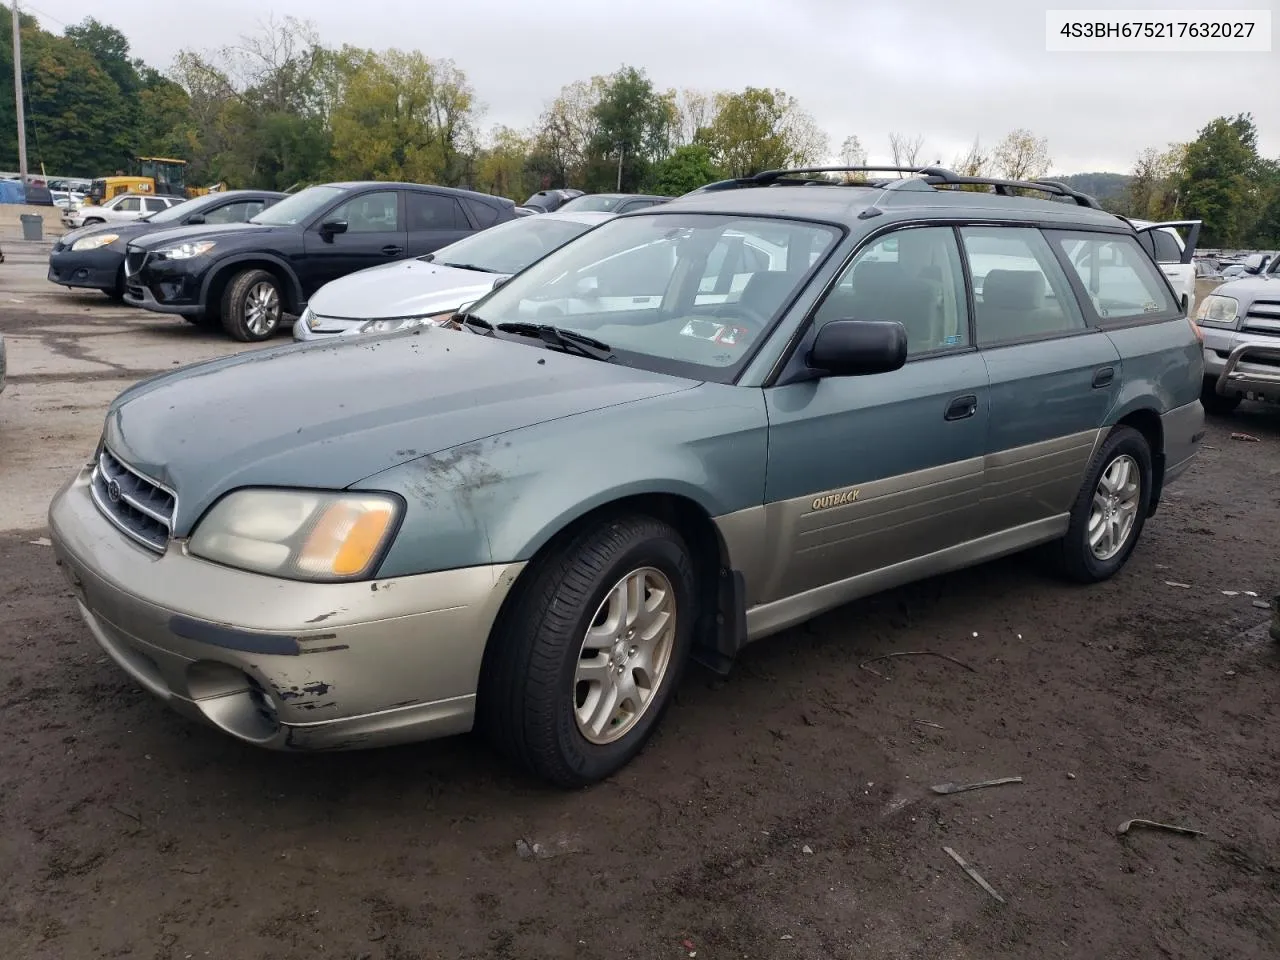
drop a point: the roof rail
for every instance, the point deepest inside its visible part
(1005, 188)
(934, 176)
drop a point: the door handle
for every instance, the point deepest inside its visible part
(1103, 376)
(962, 407)
(391, 249)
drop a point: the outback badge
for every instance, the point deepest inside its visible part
(829, 500)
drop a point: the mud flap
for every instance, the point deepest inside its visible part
(722, 637)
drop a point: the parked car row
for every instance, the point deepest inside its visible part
(248, 259)
(800, 396)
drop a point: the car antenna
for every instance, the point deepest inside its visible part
(873, 209)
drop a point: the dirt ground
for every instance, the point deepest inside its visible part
(783, 813)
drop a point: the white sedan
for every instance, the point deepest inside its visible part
(408, 293)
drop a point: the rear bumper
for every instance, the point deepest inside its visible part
(1183, 429)
(278, 663)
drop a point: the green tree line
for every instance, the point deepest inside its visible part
(280, 109)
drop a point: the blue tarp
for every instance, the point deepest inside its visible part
(11, 192)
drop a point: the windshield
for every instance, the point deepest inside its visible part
(509, 247)
(598, 201)
(688, 294)
(299, 207)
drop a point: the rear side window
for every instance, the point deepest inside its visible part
(434, 211)
(1167, 249)
(1121, 280)
(1020, 291)
(483, 214)
(155, 204)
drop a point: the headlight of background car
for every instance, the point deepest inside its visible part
(1218, 309)
(299, 534)
(185, 251)
(404, 323)
(93, 243)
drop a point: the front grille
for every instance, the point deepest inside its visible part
(1263, 316)
(133, 260)
(140, 507)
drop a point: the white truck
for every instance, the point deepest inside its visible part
(1173, 251)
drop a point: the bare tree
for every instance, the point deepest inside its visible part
(905, 150)
(974, 162)
(694, 110)
(853, 154)
(1022, 156)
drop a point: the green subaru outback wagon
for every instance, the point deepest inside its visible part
(692, 427)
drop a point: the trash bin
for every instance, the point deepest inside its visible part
(32, 226)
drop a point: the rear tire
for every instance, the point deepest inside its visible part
(252, 306)
(1215, 403)
(1109, 512)
(586, 660)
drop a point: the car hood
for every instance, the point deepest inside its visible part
(406, 288)
(1248, 289)
(329, 414)
(126, 230)
(203, 231)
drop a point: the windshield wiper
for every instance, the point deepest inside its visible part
(465, 266)
(566, 340)
(469, 321)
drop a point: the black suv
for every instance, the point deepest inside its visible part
(93, 256)
(250, 275)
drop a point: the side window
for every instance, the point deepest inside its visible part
(482, 213)
(434, 211)
(237, 212)
(1119, 277)
(155, 204)
(1167, 249)
(370, 213)
(912, 276)
(1020, 291)
(130, 204)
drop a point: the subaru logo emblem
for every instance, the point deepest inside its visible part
(113, 491)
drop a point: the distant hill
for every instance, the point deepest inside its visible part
(1103, 186)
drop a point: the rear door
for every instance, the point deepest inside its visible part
(374, 234)
(152, 205)
(1053, 378)
(435, 220)
(1175, 255)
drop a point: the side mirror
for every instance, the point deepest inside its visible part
(1254, 263)
(499, 282)
(850, 348)
(195, 219)
(333, 227)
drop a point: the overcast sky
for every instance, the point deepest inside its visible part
(948, 71)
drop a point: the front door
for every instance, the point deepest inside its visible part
(374, 234)
(1053, 377)
(868, 472)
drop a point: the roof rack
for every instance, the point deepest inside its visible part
(932, 175)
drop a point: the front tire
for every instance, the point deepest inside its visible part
(586, 661)
(252, 306)
(1215, 403)
(1111, 509)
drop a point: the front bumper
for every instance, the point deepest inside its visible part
(278, 663)
(1243, 364)
(95, 269)
(331, 328)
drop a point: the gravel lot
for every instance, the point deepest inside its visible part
(785, 813)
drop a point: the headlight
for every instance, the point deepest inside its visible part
(185, 251)
(1218, 309)
(93, 243)
(403, 323)
(299, 534)
(308, 318)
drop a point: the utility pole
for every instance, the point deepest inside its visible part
(17, 91)
(622, 149)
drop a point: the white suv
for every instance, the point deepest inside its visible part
(124, 206)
